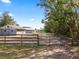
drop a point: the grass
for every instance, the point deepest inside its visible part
(4, 55)
(16, 52)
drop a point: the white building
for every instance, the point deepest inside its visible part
(11, 30)
(29, 30)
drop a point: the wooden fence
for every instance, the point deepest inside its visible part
(33, 39)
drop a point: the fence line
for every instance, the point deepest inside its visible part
(33, 39)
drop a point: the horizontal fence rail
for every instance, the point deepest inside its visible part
(34, 39)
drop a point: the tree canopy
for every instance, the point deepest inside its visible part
(61, 17)
(6, 19)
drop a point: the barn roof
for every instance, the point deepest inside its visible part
(12, 26)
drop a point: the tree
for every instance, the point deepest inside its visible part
(61, 17)
(6, 19)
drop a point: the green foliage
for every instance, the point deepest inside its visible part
(6, 19)
(61, 17)
(41, 30)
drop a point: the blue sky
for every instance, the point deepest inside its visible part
(24, 12)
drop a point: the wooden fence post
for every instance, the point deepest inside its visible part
(21, 39)
(49, 40)
(4, 39)
(37, 40)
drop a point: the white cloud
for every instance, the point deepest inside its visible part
(32, 19)
(0, 13)
(6, 1)
(10, 14)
